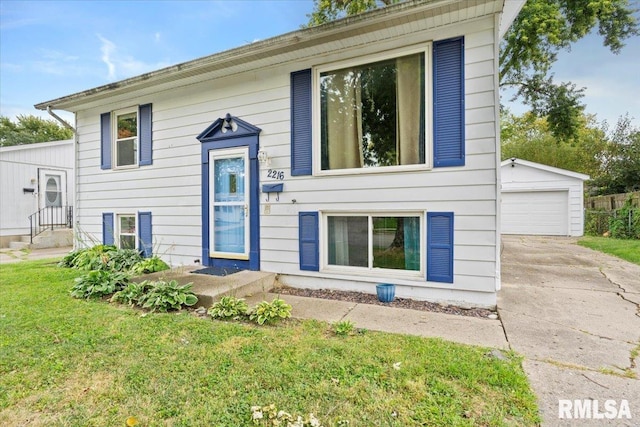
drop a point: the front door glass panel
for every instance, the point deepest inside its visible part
(229, 210)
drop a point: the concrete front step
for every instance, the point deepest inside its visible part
(56, 238)
(209, 288)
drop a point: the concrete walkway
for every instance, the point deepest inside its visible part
(574, 314)
(16, 255)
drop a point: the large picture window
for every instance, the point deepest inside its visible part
(372, 241)
(126, 142)
(372, 115)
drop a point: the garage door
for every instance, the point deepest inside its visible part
(535, 212)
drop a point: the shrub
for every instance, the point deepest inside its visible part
(164, 296)
(123, 259)
(149, 265)
(229, 308)
(98, 283)
(270, 312)
(626, 222)
(131, 293)
(94, 258)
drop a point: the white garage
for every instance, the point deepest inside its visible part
(541, 200)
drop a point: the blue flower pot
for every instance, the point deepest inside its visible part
(386, 292)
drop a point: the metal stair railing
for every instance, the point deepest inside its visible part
(50, 218)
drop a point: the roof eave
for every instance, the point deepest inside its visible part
(546, 168)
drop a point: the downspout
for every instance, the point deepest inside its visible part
(75, 170)
(498, 187)
(60, 120)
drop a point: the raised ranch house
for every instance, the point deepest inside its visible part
(362, 151)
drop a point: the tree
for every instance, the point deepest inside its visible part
(621, 166)
(530, 138)
(30, 129)
(530, 47)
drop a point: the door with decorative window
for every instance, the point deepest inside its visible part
(52, 199)
(229, 200)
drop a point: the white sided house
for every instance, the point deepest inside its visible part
(541, 200)
(36, 189)
(362, 151)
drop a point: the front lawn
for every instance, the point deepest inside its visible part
(70, 362)
(622, 248)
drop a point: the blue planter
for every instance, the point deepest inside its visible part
(386, 292)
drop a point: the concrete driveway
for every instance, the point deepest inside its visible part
(574, 314)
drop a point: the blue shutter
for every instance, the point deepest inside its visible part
(105, 141)
(308, 241)
(301, 151)
(146, 145)
(448, 102)
(107, 229)
(440, 247)
(145, 238)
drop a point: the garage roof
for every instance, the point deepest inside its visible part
(540, 166)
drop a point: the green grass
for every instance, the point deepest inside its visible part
(626, 249)
(68, 362)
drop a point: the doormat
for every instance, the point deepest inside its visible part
(218, 271)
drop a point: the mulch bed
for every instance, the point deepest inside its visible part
(364, 298)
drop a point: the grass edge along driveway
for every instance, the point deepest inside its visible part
(73, 362)
(627, 249)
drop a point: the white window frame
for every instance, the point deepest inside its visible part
(115, 139)
(325, 267)
(425, 49)
(119, 232)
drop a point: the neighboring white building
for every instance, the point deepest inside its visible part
(361, 151)
(540, 199)
(33, 177)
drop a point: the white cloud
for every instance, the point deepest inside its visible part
(157, 37)
(121, 65)
(107, 49)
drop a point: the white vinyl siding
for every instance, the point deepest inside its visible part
(171, 187)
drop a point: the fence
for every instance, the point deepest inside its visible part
(619, 223)
(612, 202)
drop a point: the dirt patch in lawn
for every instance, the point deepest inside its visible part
(364, 298)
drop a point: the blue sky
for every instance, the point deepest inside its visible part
(50, 49)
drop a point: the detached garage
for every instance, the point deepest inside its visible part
(540, 199)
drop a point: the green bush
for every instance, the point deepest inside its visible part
(229, 308)
(94, 258)
(98, 283)
(165, 296)
(270, 312)
(123, 259)
(110, 258)
(149, 265)
(625, 224)
(131, 293)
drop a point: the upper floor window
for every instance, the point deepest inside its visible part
(372, 114)
(126, 140)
